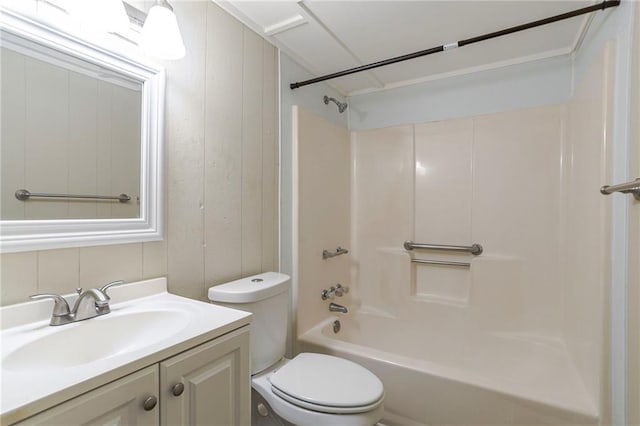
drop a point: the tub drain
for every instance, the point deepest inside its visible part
(336, 326)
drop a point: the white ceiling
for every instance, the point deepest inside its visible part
(329, 36)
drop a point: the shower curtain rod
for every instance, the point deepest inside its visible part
(600, 6)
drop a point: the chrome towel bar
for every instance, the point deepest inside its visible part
(326, 254)
(474, 249)
(24, 195)
(632, 187)
(441, 262)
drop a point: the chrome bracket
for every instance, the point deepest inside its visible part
(632, 187)
(326, 254)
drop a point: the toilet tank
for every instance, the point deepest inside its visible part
(266, 296)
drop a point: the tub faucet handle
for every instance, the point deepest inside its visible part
(341, 290)
(328, 294)
(337, 290)
(324, 294)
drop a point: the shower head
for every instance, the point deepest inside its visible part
(342, 106)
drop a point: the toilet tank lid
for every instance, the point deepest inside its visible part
(250, 289)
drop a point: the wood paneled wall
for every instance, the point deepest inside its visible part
(222, 151)
(221, 180)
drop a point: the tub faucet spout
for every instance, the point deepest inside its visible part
(334, 307)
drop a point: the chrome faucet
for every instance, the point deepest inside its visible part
(90, 303)
(337, 290)
(334, 307)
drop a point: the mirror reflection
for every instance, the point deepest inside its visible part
(69, 128)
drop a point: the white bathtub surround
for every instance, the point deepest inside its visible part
(444, 377)
(519, 337)
(322, 157)
(586, 247)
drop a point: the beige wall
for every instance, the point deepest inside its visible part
(221, 174)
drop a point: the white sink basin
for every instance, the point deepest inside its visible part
(43, 365)
(98, 338)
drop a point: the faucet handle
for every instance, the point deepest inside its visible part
(324, 294)
(106, 287)
(60, 305)
(328, 294)
(341, 290)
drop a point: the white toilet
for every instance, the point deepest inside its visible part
(310, 389)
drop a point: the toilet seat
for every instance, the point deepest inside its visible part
(327, 384)
(328, 409)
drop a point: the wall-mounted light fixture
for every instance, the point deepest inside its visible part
(160, 36)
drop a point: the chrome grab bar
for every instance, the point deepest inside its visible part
(326, 254)
(23, 195)
(632, 187)
(441, 262)
(474, 249)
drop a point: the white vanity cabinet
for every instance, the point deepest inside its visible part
(208, 385)
(118, 403)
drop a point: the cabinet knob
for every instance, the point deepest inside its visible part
(177, 389)
(150, 403)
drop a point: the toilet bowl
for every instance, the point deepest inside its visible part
(310, 389)
(351, 396)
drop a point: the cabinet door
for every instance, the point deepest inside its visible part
(208, 385)
(119, 403)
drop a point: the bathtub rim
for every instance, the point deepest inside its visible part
(316, 337)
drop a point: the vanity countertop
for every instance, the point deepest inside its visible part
(43, 365)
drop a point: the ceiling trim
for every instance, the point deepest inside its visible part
(284, 25)
(584, 28)
(370, 74)
(605, 4)
(228, 7)
(470, 70)
(244, 19)
(236, 13)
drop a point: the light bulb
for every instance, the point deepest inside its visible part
(160, 36)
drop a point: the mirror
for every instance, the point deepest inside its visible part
(80, 145)
(67, 131)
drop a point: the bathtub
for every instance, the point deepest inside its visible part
(436, 378)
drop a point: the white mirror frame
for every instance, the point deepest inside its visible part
(28, 235)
